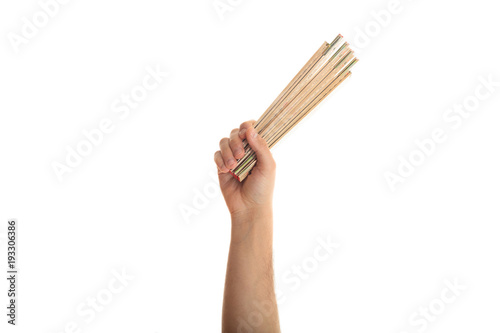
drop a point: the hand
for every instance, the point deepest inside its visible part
(255, 194)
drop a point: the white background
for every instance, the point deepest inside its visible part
(121, 207)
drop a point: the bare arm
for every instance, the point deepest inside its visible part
(249, 298)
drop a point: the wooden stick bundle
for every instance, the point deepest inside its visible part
(324, 72)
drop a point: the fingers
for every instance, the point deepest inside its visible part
(232, 149)
(220, 162)
(227, 154)
(265, 159)
(243, 128)
(236, 144)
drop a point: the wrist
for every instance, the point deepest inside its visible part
(253, 226)
(255, 214)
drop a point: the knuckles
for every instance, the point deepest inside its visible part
(222, 141)
(247, 124)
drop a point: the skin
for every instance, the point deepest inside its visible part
(249, 300)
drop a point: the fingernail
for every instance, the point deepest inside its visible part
(242, 132)
(254, 135)
(231, 161)
(238, 151)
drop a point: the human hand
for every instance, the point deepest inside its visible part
(255, 194)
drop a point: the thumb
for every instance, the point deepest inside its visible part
(259, 146)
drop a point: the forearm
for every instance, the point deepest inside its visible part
(249, 298)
